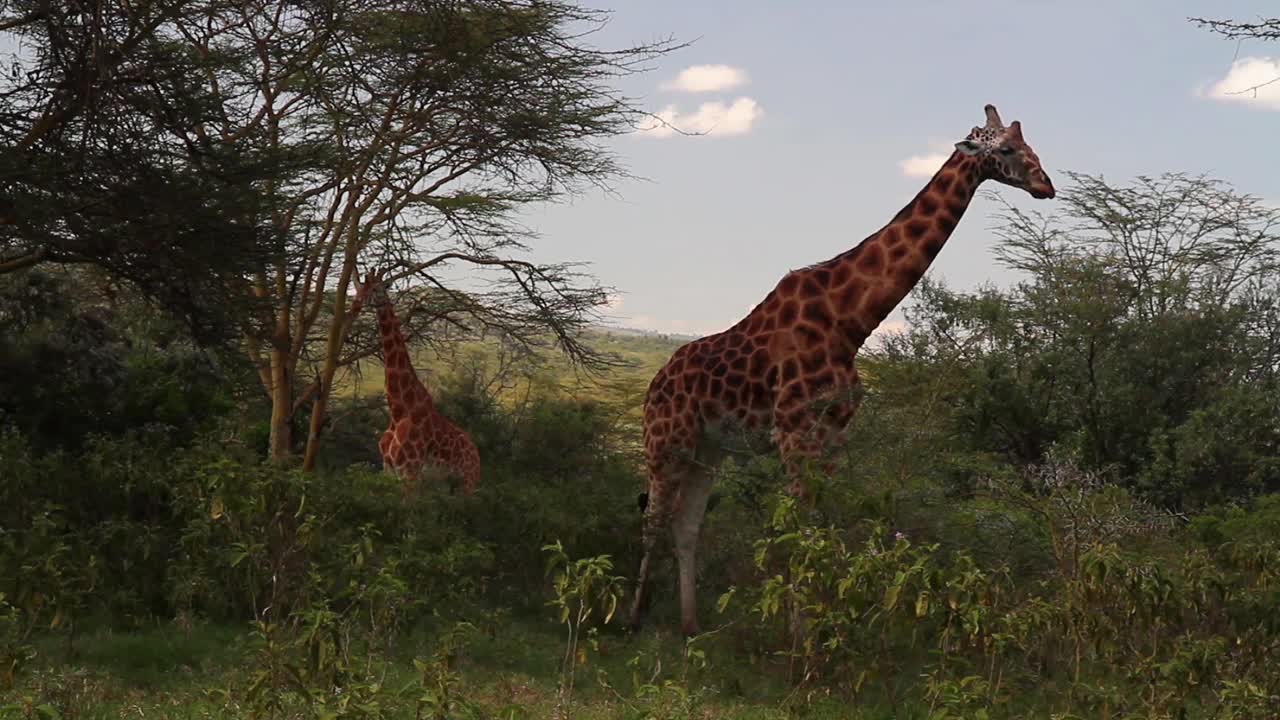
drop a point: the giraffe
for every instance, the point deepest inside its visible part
(788, 366)
(419, 435)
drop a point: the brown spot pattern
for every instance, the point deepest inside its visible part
(796, 348)
(418, 435)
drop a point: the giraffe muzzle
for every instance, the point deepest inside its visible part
(1040, 188)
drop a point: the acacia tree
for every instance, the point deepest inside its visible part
(406, 132)
(91, 171)
(257, 151)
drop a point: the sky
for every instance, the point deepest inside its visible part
(823, 118)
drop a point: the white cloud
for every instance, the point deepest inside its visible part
(922, 165)
(1252, 80)
(711, 118)
(707, 78)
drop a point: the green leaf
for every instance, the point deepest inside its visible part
(891, 596)
(922, 604)
(724, 600)
(613, 605)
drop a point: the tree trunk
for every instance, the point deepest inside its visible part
(283, 363)
(332, 353)
(321, 406)
(281, 442)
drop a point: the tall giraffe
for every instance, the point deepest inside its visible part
(789, 365)
(419, 435)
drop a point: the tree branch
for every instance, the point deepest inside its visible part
(24, 261)
(1263, 29)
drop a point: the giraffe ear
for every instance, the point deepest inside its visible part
(969, 147)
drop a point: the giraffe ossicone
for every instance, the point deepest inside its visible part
(788, 366)
(420, 438)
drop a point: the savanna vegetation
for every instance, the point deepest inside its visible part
(1062, 498)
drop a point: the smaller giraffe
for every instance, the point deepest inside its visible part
(419, 435)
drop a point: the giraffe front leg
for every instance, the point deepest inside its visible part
(810, 444)
(685, 528)
(401, 453)
(799, 449)
(837, 417)
(807, 430)
(385, 449)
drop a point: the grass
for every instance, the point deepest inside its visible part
(642, 356)
(160, 672)
(167, 672)
(149, 658)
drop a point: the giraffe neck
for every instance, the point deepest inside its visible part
(885, 266)
(405, 391)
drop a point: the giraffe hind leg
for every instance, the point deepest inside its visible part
(654, 521)
(664, 482)
(384, 449)
(685, 529)
(676, 501)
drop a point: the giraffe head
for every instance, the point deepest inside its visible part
(1006, 157)
(372, 291)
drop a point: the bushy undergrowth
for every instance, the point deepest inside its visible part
(133, 528)
(1130, 617)
(1105, 607)
(1040, 590)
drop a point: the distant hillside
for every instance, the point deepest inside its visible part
(640, 354)
(614, 330)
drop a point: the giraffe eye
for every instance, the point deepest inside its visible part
(1005, 150)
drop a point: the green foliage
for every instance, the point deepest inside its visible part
(852, 612)
(1235, 523)
(283, 538)
(1135, 620)
(1055, 504)
(80, 362)
(1143, 339)
(582, 588)
(554, 471)
(27, 708)
(1075, 509)
(1126, 617)
(440, 693)
(15, 652)
(91, 174)
(312, 670)
(655, 697)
